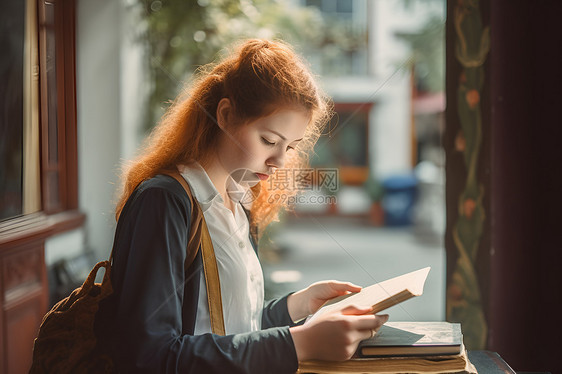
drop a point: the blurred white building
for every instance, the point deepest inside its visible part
(372, 91)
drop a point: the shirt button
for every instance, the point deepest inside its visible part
(241, 244)
(252, 277)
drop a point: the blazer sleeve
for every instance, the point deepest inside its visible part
(276, 313)
(148, 277)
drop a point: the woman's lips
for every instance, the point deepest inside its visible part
(262, 176)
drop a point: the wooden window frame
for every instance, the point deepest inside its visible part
(61, 215)
(65, 166)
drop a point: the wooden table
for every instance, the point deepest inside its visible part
(487, 362)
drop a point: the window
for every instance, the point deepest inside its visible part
(13, 45)
(346, 146)
(38, 119)
(342, 48)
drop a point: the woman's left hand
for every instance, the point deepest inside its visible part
(310, 299)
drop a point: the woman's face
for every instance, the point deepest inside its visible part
(260, 146)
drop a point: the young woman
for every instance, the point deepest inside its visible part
(258, 110)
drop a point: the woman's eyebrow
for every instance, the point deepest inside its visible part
(282, 137)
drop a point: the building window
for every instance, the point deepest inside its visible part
(342, 49)
(346, 145)
(19, 108)
(37, 113)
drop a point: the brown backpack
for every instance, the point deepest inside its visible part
(67, 343)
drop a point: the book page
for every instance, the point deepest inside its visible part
(381, 295)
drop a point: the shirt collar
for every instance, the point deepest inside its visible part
(203, 188)
(201, 185)
(235, 190)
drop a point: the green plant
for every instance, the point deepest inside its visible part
(374, 189)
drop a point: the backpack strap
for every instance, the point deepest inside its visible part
(199, 237)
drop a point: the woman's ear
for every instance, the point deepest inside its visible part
(224, 113)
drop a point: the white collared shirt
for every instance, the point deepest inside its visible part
(240, 272)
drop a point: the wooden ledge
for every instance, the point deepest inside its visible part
(37, 226)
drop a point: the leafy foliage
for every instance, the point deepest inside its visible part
(181, 35)
(427, 46)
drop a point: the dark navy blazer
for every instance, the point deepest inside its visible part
(147, 324)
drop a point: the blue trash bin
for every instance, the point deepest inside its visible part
(399, 198)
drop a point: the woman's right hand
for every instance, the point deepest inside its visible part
(335, 336)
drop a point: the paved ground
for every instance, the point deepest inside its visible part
(311, 249)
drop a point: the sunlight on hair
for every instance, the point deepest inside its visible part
(259, 77)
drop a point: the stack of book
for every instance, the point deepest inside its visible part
(398, 347)
(404, 347)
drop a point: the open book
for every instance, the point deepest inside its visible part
(380, 296)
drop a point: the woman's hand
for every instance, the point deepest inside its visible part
(309, 300)
(335, 336)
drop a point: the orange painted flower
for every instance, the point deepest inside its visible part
(472, 98)
(460, 142)
(468, 207)
(455, 292)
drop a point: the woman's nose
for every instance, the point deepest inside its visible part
(276, 161)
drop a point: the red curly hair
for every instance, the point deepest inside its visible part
(258, 77)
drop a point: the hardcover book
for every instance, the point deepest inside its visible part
(413, 339)
(378, 365)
